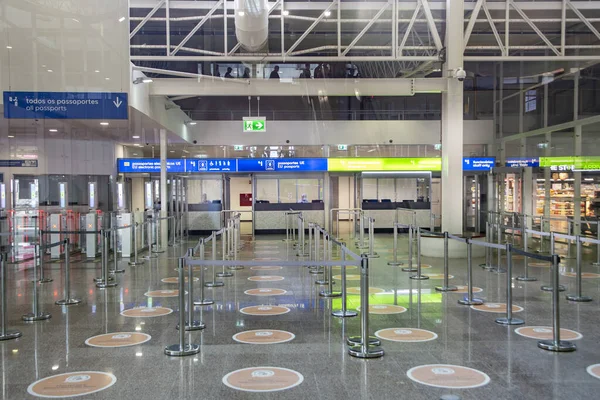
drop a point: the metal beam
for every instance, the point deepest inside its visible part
(431, 24)
(189, 75)
(472, 20)
(310, 28)
(366, 28)
(409, 29)
(554, 128)
(531, 58)
(276, 57)
(535, 28)
(583, 19)
(146, 18)
(494, 30)
(198, 26)
(168, 25)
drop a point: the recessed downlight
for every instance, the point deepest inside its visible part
(52, 130)
(135, 137)
(104, 123)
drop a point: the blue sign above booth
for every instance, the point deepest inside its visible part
(282, 165)
(478, 163)
(18, 163)
(65, 105)
(211, 165)
(521, 162)
(148, 165)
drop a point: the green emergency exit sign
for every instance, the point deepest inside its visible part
(255, 124)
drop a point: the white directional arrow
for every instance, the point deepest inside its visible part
(117, 103)
(259, 125)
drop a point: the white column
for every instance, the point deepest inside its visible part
(527, 195)
(577, 139)
(452, 123)
(163, 186)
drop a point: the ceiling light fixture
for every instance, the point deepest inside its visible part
(171, 151)
(191, 123)
(121, 19)
(107, 78)
(96, 71)
(286, 13)
(135, 137)
(104, 123)
(135, 154)
(53, 130)
(142, 80)
(11, 136)
(241, 13)
(327, 13)
(9, 47)
(50, 70)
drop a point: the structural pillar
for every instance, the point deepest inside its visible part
(452, 123)
(164, 199)
(577, 139)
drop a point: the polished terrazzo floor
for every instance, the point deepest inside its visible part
(517, 368)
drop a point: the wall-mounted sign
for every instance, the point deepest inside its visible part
(65, 105)
(384, 164)
(18, 163)
(282, 165)
(255, 124)
(148, 165)
(238, 147)
(522, 162)
(342, 147)
(211, 165)
(478, 163)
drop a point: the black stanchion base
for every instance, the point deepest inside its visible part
(526, 278)
(11, 335)
(407, 269)
(472, 302)
(342, 314)
(446, 288)
(195, 326)
(46, 280)
(178, 351)
(116, 271)
(395, 263)
(224, 274)
(214, 284)
(322, 282)
(372, 352)
(547, 288)
(204, 302)
(315, 271)
(357, 340)
(580, 299)
(330, 294)
(41, 316)
(511, 321)
(419, 277)
(102, 285)
(68, 302)
(561, 346)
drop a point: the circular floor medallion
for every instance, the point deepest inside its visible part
(499, 308)
(175, 279)
(265, 310)
(540, 264)
(448, 376)
(383, 309)
(266, 278)
(263, 379)
(146, 312)
(465, 289)
(162, 293)
(438, 276)
(372, 290)
(118, 339)
(594, 370)
(546, 333)
(406, 335)
(267, 259)
(265, 292)
(266, 268)
(264, 336)
(349, 277)
(72, 384)
(584, 275)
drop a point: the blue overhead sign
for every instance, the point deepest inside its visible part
(282, 165)
(18, 163)
(521, 162)
(478, 163)
(148, 165)
(211, 165)
(65, 105)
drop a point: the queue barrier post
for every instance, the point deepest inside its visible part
(310, 239)
(469, 300)
(136, 261)
(5, 334)
(446, 287)
(236, 244)
(203, 301)
(329, 292)
(364, 346)
(419, 276)
(395, 261)
(410, 267)
(550, 288)
(509, 320)
(157, 241)
(578, 296)
(489, 237)
(372, 253)
(316, 269)
(190, 324)
(214, 282)
(556, 344)
(344, 312)
(116, 252)
(324, 270)
(105, 281)
(525, 237)
(42, 248)
(35, 314)
(182, 348)
(498, 269)
(68, 300)
(223, 273)
(597, 263)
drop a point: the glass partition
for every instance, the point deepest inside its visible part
(289, 190)
(204, 191)
(395, 189)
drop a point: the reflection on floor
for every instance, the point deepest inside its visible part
(284, 338)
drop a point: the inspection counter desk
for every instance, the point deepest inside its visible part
(271, 217)
(404, 212)
(204, 218)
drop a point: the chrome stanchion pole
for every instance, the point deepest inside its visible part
(329, 292)
(287, 228)
(158, 246)
(361, 244)
(344, 312)
(525, 238)
(105, 281)
(35, 314)
(549, 288)
(556, 344)
(316, 270)
(597, 244)
(202, 301)
(43, 279)
(395, 261)
(542, 237)
(4, 333)
(488, 251)
(469, 300)
(419, 276)
(116, 253)
(223, 273)
(190, 324)
(363, 346)
(499, 268)
(182, 349)
(311, 226)
(410, 267)
(214, 282)
(135, 261)
(446, 287)
(372, 253)
(569, 243)
(68, 300)
(509, 320)
(324, 270)
(579, 297)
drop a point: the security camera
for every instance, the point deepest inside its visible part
(195, 142)
(391, 141)
(460, 74)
